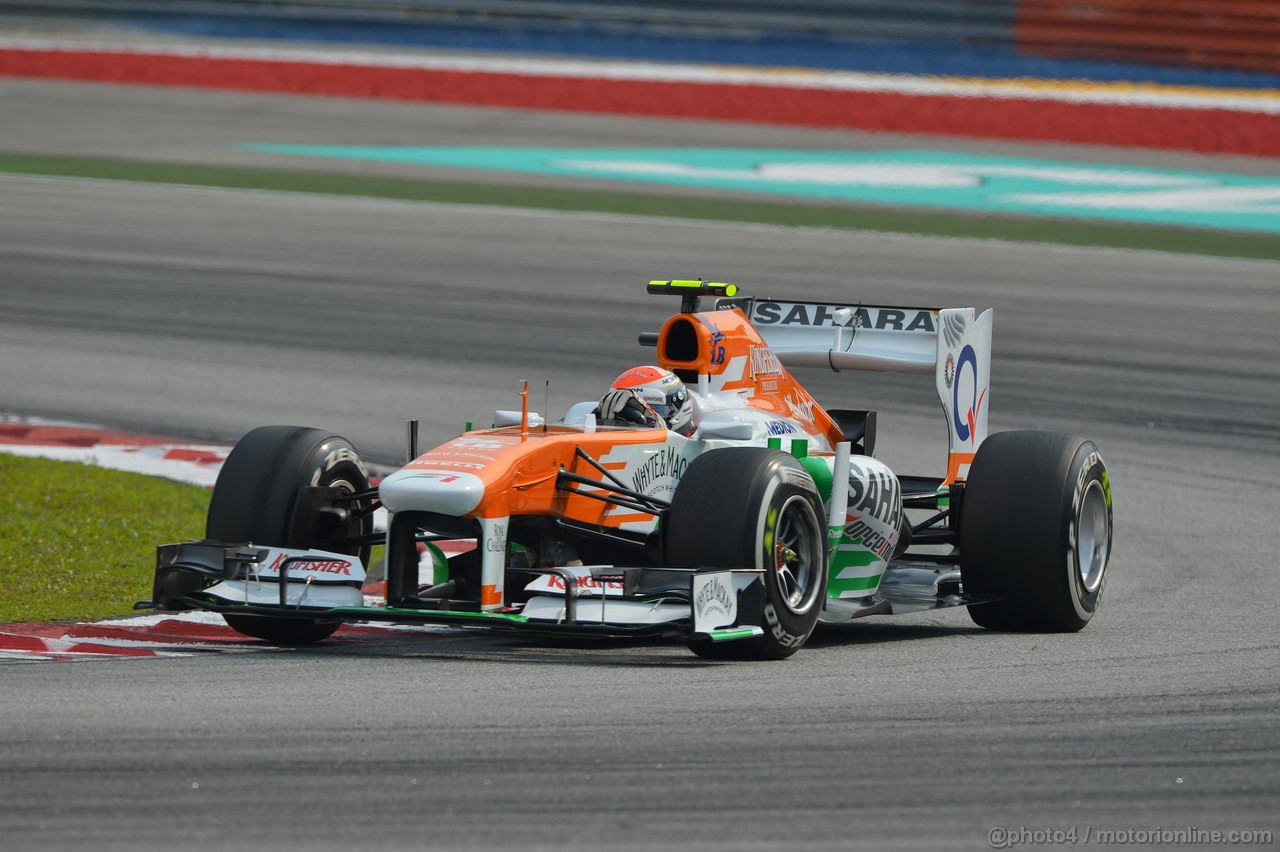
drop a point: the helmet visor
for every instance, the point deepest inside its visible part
(672, 404)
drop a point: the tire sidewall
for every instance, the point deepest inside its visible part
(256, 495)
(1086, 467)
(788, 627)
(1018, 530)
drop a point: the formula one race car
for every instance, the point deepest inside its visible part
(770, 515)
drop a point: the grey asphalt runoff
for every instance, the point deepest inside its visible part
(206, 313)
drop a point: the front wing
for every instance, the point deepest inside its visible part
(673, 603)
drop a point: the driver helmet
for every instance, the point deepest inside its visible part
(662, 391)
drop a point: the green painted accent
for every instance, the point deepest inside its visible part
(798, 214)
(1106, 486)
(850, 557)
(735, 633)
(800, 447)
(854, 584)
(439, 564)
(770, 526)
(821, 475)
(835, 535)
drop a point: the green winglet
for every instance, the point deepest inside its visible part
(735, 633)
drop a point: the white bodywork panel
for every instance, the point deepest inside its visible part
(296, 594)
(715, 598)
(600, 610)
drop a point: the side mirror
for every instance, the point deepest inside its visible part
(503, 417)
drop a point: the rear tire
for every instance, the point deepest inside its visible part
(255, 500)
(752, 507)
(1036, 529)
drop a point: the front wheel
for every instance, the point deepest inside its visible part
(1036, 530)
(256, 499)
(282, 631)
(752, 507)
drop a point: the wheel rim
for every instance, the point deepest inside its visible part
(1093, 537)
(320, 535)
(797, 555)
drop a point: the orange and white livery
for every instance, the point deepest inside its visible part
(736, 356)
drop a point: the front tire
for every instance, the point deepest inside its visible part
(752, 507)
(256, 498)
(1036, 530)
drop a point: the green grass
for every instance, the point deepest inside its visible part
(78, 542)
(744, 209)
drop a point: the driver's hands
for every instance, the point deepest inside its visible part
(623, 404)
(613, 403)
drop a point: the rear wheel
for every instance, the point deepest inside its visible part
(256, 499)
(1036, 530)
(751, 507)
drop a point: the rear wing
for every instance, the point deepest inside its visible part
(952, 344)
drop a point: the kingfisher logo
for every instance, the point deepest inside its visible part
(966, 417)
(325, 566)
(764, 362)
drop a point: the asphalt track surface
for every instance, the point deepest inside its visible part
(208, 312)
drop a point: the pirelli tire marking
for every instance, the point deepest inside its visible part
(1089, 534)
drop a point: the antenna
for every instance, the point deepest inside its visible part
(413, 439)
(546, 406)
(524, 409)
